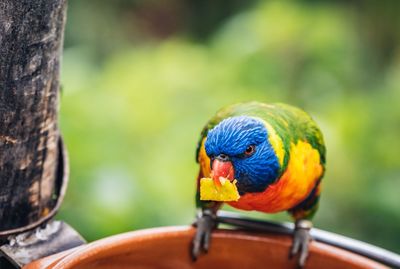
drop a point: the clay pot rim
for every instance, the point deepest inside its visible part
(126, 242)
(104, 245)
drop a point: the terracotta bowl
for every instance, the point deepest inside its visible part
(169, 248)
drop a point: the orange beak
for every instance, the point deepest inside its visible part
(222, 169)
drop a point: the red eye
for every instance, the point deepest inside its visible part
(250, 150)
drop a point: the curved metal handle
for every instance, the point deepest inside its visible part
(372, 252)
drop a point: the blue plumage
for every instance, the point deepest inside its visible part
(232, 137)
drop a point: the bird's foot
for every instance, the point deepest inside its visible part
(205, 223)
(301, 241)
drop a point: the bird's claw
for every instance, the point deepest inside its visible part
(301, 241)
(204, 224)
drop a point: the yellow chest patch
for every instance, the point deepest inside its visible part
(303, 170)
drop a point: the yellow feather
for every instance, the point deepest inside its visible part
(204, 160)
(276, 142)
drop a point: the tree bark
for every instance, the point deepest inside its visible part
(31, 35)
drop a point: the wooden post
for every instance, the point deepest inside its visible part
(31, 37)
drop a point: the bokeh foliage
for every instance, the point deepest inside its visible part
(137, 91)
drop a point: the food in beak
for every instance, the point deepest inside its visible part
(225, 191)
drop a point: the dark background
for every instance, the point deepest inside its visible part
(141, 78)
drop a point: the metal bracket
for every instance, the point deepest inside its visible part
(45, 236)
(55, 237)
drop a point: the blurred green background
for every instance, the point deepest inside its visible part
(141, 78)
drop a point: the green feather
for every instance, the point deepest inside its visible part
(290, 124)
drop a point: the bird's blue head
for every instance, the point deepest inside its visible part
(239, 148)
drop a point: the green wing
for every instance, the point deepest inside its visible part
(298, 125)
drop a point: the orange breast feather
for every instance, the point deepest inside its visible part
(295, 184)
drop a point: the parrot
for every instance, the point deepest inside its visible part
(275, 153)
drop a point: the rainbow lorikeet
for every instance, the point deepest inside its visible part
(275, 154)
